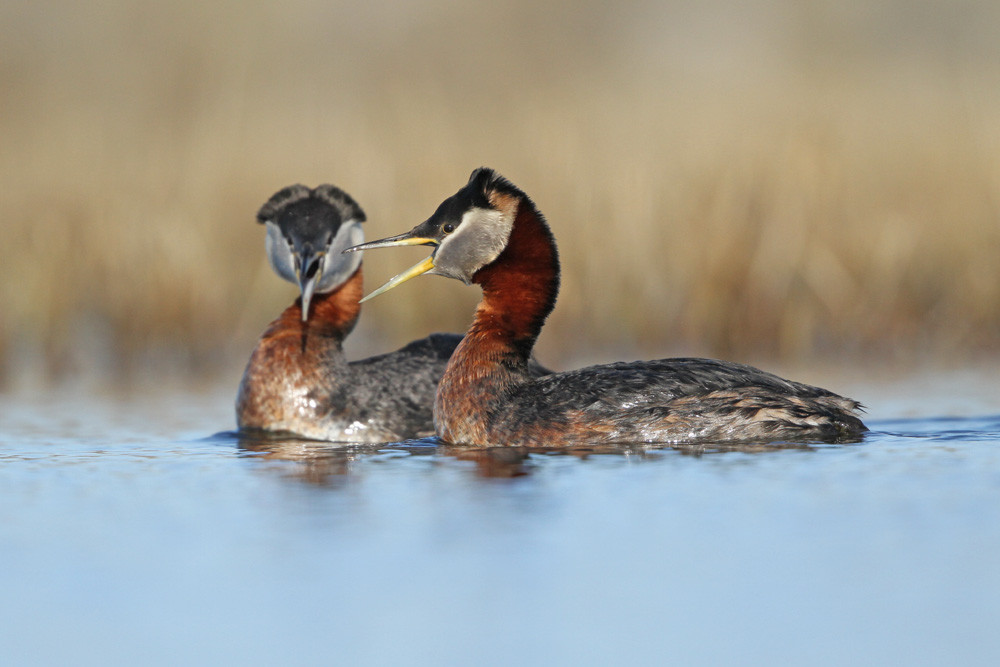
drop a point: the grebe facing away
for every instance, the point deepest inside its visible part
(491, 234)
(297, 380)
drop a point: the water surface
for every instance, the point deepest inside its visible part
(129, 533)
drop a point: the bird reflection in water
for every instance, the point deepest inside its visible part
(315, 462)
(330, 465)
(505, 462)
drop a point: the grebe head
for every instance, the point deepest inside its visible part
(307, 232)
(468, 230)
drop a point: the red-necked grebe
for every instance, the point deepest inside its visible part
(490, 233)
(297, 380)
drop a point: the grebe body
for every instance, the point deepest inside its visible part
(490, 233)
(298, 380)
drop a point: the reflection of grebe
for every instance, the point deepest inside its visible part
(491, 234)
(297, 379)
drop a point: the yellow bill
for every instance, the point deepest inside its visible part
(393, 241)
(423, 267)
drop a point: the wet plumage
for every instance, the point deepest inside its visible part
(491, 234)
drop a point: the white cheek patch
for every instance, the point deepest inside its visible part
(279, 255)
(479, 239)
(338, 267)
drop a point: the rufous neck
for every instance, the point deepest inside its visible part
(520, 286)
(332, 313)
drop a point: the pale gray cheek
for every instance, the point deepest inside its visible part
(452, 272)
(460, 258)
(479, 240)
(338, 267)
(279, 255)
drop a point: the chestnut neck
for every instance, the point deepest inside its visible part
(332, 314)
(520, 285)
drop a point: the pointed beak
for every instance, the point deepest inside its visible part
(308, 268)
(399, 240)
(392, 241)
(412, 272)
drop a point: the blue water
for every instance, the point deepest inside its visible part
(130, 534)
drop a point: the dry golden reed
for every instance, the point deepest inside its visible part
(794, 208)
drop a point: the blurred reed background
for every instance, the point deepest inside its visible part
(765, 180)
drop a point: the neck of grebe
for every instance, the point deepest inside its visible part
(519, 290)
(332, 314)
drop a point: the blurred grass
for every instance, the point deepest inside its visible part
(767, 180)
